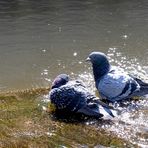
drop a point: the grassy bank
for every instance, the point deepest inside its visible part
(24, 124)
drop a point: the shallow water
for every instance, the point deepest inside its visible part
(40, 39)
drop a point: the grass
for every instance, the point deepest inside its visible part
(23, 124)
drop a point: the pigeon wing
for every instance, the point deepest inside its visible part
(116, 85)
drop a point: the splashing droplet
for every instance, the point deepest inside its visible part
(75, 54)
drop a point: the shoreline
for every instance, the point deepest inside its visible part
(35, 91)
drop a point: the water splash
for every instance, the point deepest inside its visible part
(131, 65)
(132, 123)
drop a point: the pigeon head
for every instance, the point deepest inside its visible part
(100, 64)
(97, 58)
(60, 80)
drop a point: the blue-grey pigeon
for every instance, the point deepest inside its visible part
(113, 83)
(73, 96)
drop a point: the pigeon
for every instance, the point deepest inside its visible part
(72, 96)
(113, 83)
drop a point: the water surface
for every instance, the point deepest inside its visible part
(40, 39)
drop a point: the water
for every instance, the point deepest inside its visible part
(40, 39)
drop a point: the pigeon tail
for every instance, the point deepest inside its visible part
(90, 112)
(105, 106)
(142, 92)
(143, 88)
(108, 111)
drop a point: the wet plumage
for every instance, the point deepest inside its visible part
(113, 83)
(73, 96)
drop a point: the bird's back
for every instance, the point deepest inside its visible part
(68, 97)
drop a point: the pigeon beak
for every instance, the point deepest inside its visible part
(88, 59)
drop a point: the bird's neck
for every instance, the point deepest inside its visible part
(100, 71)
